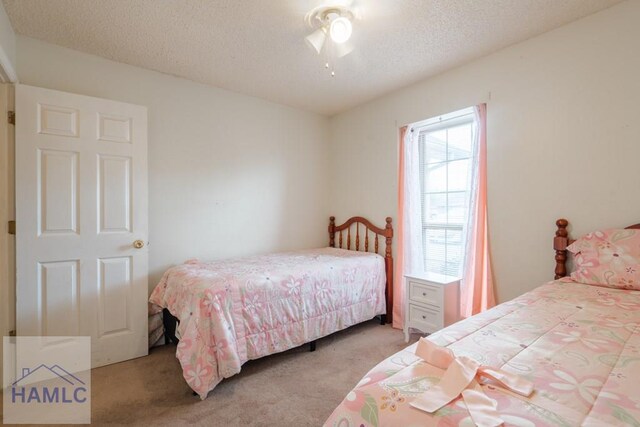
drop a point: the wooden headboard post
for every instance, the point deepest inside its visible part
(562, 240)
(332, 231)
(560, 243)
(386, 232)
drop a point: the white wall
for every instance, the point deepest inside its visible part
(229, 174)
(563, 139)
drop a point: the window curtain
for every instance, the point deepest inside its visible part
(476, 288)
(409, 249)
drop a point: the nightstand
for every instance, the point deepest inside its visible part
(432, 301)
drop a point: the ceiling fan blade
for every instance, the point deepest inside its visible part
(316, 39)
(343, 49)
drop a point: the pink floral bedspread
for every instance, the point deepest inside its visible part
(578, 344)
(235, 310)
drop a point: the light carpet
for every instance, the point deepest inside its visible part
(294, 388)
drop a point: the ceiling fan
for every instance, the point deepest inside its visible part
(332, 25)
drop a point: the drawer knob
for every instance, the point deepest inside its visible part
(424, 317)
(424, 294)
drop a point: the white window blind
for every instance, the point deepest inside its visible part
(446, 151)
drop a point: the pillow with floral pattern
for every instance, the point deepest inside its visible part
(608, 258)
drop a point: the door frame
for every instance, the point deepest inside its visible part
(7, 213)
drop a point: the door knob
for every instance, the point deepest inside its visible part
(138, 244)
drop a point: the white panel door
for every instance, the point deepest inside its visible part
(81, 209)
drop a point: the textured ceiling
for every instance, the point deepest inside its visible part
(256, 47)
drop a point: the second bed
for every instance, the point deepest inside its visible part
(574, 341)
(232, 311)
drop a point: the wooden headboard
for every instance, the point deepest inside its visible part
(368, 228)
(562, 240)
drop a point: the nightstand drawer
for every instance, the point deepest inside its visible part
(427, 319)
(431, 302)
(424, 293)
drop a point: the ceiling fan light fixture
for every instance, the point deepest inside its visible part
(340, 29)
(316, 39)
(331, 27)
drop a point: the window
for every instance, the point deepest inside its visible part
(446, 147)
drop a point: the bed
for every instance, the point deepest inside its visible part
(576, 343)
(227, 312)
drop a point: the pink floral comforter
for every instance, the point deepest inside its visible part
(578, 344)
(235, 310)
